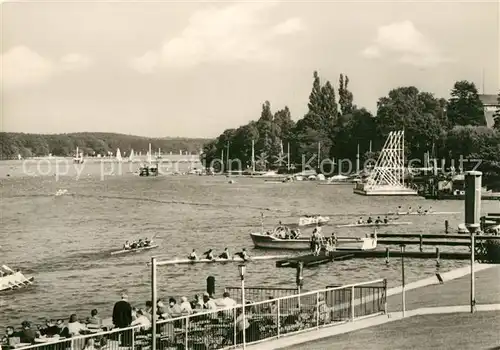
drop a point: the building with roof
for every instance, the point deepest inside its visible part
(490, 103)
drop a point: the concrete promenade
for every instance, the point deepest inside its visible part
(424, 297)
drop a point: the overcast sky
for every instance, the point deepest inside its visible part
(195, 69)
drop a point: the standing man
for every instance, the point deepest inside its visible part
(122, 317)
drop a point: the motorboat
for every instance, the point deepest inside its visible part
(284, 238)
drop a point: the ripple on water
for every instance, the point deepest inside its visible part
(65, 242)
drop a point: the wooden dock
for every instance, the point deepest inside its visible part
(314, 260)
(311, 260)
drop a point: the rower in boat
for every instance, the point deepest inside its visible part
(147, 242)
(140, 244)
(369, 221)
(193, 255)
(378, 221)
(126, 246)
(420, 210)
(133, 245)
(209, 255)
(386, 220)
(409, 210)
(225, 254)
(243, 254)
(427, 211)
(360, 221)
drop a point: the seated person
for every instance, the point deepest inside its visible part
(126, 246)
(50, 329)
(94, 319)
(74, 327)
(27, 334)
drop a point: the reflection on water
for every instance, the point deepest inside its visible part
(65, 241)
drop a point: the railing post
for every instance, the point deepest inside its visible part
(235, 330)
(133, 338)
(153, 302)
(385, 296)
(352, 303)
(279, 316)
(317, 309)
(186, 339)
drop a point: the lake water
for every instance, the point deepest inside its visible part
(65, 242)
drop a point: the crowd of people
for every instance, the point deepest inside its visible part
(124, 315)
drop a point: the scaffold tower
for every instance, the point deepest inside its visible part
(388, 176)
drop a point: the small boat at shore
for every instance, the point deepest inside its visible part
(217, 260)
(135, 250)
(13, 280)
(379, 224)
(312, 220)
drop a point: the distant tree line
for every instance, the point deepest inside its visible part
(447, 129)
(91, 144)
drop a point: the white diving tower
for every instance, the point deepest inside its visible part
(387, 177)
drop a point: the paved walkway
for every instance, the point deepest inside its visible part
(455, 292)
(428, 296)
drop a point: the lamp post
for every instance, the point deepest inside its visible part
(403, 300)
(242, 269)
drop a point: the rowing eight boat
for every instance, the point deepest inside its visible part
(235, 259)
(124, 251)
(376, 224)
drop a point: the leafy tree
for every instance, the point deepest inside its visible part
(420, 114)
(496, 116)
(464, 106)
(315, 99)
(345, 96)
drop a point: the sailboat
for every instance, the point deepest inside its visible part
(78, 158)
(118, 155)
(131, 156)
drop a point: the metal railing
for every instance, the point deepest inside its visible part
(256, 294)
(260, 321)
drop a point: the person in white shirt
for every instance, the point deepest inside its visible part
(141, 320)
(185, 306)
(227, 303)
(209, 305)
(75, 328)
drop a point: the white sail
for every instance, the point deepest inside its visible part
(149, 155)
(131, 155)
(118, 155)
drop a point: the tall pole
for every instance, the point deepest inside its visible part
(243, 302)
(472, 274)
(153, 302)
(403, 156)
(403, 296)
(227, 157)
(370, 149)
(319, 153)
(357, 161)
(222, 160)
(253, 157)
(288, 156)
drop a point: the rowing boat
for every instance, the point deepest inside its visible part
(398, 223)
(124, 251)
(426, 213)
(217, 260)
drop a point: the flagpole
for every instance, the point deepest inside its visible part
(288, 157)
